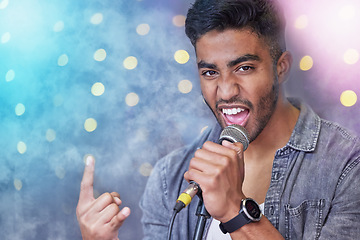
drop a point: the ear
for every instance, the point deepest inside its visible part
(283, 66)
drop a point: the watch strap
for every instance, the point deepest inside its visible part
(235, 223)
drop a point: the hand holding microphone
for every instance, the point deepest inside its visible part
(219, 171)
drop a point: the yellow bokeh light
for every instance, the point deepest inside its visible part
(301, 22)
(90, 125)
(100, 55)
(132, 99)
(21, 147)
(19, 109)
(146, 169)
(97, 18)
(5, 37)
(143, 29)
(306, 63)
(348, 98)
(347, 12)
(181, 56)
(4, 4)
(185, 86)
(63, 60)
(179, 20)
(98, 89)
(59, 26)
(10, 75)
(50, 135)
(351, 56)
(18, 184)
(130, 63)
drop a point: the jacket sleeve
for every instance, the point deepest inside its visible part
(154, 204)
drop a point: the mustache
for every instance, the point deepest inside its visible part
(236, 100)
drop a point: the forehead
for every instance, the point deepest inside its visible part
(230, 44)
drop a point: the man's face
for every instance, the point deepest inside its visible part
(237, 78)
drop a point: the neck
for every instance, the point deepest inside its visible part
(277, 131)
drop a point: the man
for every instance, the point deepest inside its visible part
(302, 170)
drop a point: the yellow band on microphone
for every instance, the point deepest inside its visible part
(184, 198)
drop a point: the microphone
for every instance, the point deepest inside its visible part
(233, 133)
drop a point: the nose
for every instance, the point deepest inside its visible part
(227, 88)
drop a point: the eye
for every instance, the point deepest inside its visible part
(209, 73)
(245, 68)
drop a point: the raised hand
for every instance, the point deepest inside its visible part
(98, 218)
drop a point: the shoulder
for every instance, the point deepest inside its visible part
(178, 160)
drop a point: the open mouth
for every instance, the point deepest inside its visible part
(235, 115)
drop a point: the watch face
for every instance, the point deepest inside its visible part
(252, 209)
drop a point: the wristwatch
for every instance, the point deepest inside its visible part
(249, 212)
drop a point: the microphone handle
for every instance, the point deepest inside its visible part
(203, 215)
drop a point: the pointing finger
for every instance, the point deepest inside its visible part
(87, 183)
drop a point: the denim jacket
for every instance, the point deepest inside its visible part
(314, 191)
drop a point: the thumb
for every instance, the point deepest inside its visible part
(237, 146)
(87, 182)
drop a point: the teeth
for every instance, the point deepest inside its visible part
(232, 111)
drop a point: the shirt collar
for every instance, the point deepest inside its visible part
(306, 132)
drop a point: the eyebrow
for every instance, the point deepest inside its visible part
(247, 57)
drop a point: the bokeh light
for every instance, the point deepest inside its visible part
(98, 89)
(59, 26)
(20, 109)
(301, 22)
(50, 135)
(10, 75)
(351, 56)
(4, 4)
(143, 29)
(90, 124)
(306, 63)
(130, 63)
(100, 55)
(145, 169)
(185, 86)
(21, 147)
(58, 100)
(63, 60)
(181, 56)
(18, 184)
(132, 99)
(348, 98)
(97, 18)
(179, 20)
(347, 12)
(5, 37)
(60, 172)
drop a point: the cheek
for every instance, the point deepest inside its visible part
(209, 91)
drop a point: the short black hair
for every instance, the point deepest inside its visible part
(264, 17)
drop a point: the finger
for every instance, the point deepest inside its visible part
(215, 148)
(119, 219)
(107, 214)
(102, 202)
(116, 197)
(237, 146)
(87, 182)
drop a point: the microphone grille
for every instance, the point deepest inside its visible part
(235, 133)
